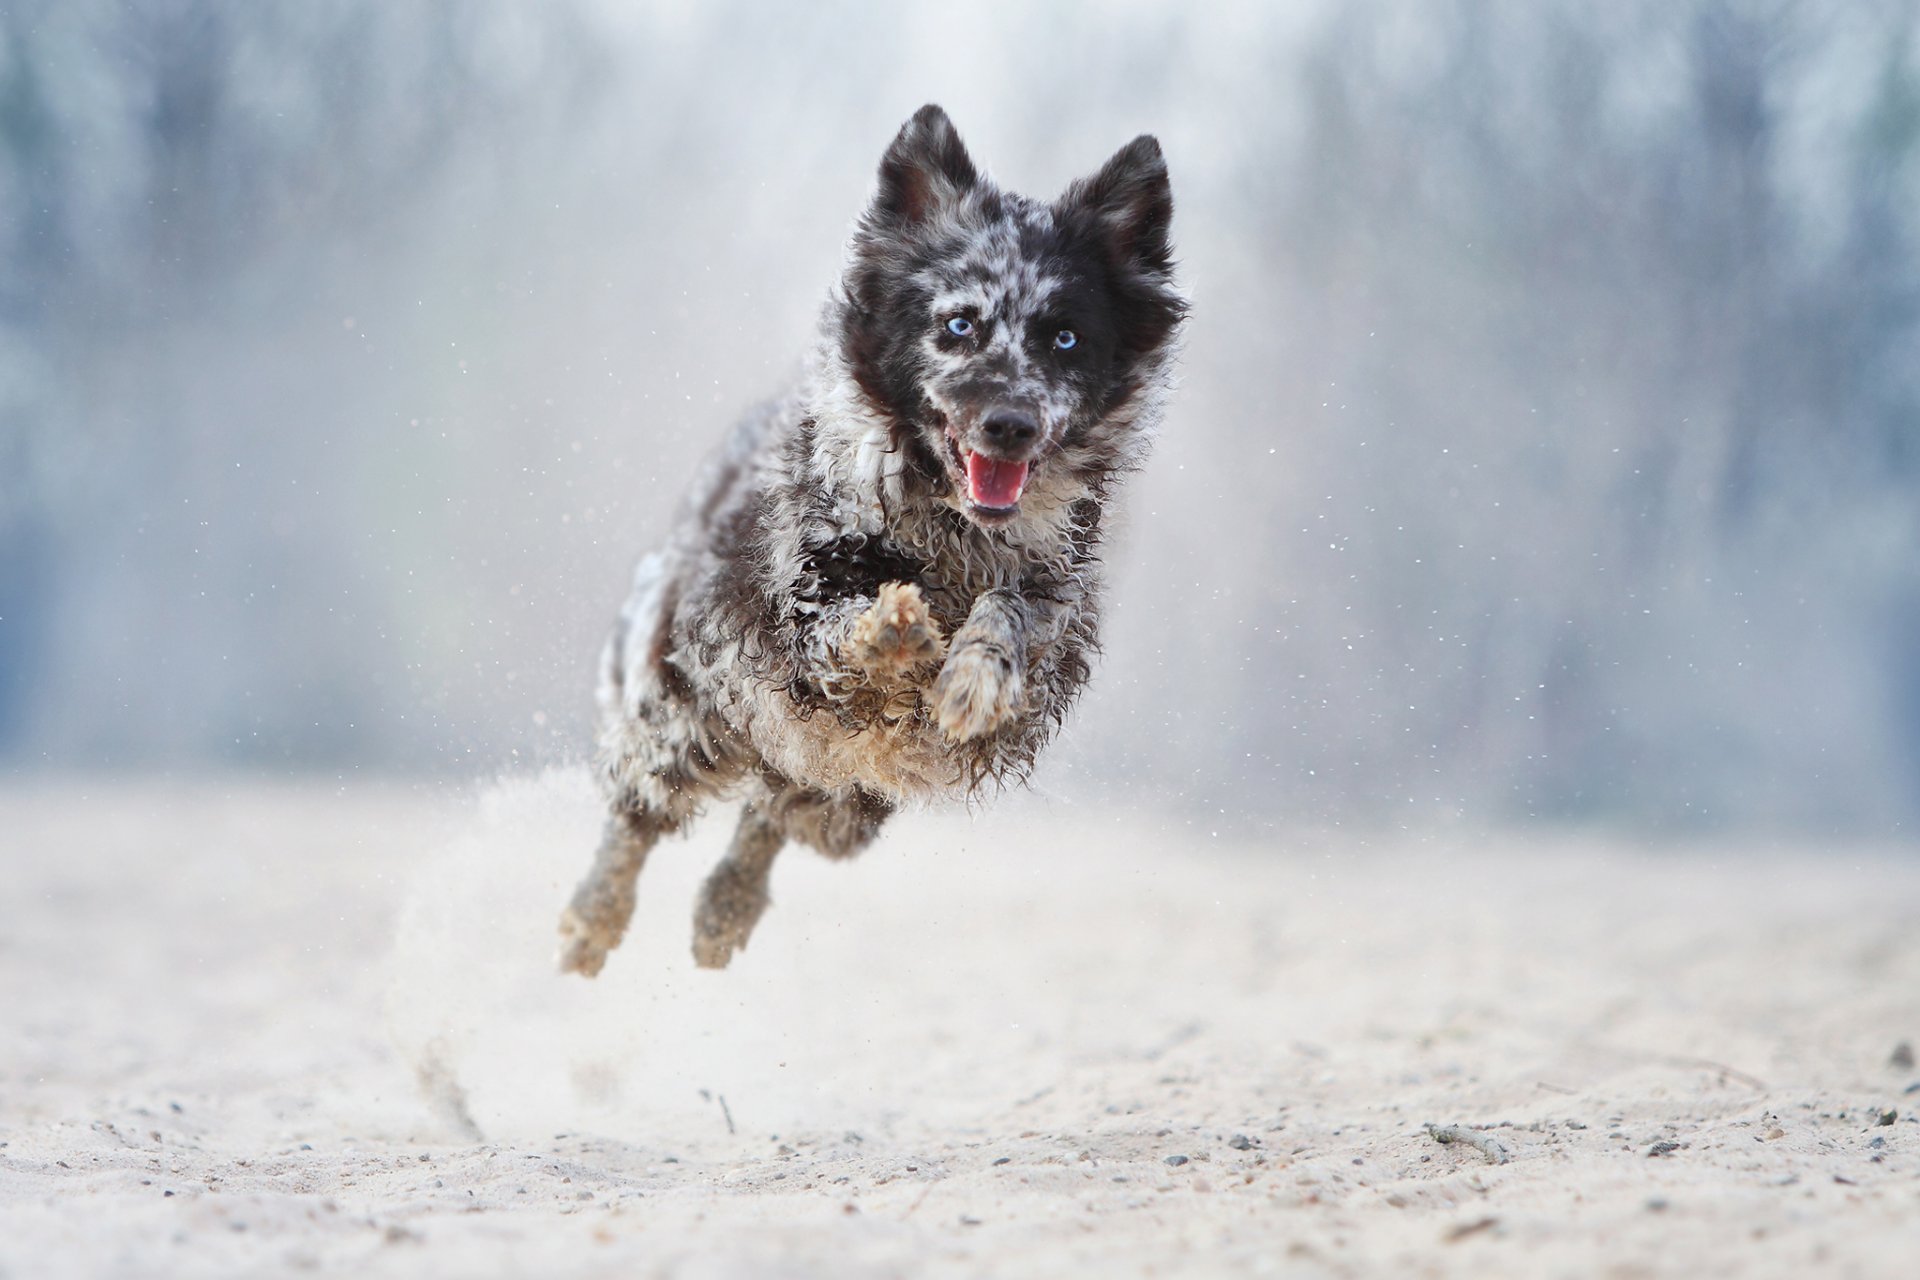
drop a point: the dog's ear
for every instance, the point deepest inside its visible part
(1130, 205)
(926, 169)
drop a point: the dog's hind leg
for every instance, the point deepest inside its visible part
(837, 824)
(736, 893)
(596, 919)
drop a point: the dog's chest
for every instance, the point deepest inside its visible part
(857, 565)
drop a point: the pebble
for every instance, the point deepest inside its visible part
(1240, 1142)
(1176, 1161)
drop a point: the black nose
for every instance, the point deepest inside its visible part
(1009, 430)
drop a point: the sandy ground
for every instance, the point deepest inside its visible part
(1045, 1041)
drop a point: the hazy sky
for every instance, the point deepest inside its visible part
(1546, 443)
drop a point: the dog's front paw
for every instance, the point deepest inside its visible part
(979, 690)
(896, 634)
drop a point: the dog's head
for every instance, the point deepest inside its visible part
(1012, 346)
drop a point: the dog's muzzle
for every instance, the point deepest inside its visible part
(997, 468)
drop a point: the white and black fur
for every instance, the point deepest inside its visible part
(846, 617)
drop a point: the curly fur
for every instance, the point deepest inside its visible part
(845, 619)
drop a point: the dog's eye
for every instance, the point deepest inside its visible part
(1066, 340)
(960, 327)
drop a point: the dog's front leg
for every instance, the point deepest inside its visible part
(983, 685)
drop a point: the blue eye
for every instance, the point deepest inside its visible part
(960, 327)
(1066, 340)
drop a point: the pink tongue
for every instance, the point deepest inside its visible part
(993, 483)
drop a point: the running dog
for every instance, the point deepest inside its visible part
(886, 587)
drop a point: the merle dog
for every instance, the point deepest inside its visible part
(886, 587)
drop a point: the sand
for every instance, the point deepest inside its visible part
(1047, 1040)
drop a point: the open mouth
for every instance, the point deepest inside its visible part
(993, 484)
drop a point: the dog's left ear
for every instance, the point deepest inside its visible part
(1130, 203)
(925, 169)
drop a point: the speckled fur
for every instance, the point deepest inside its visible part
(834, 629)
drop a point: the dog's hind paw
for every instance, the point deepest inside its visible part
(979, 690)
(730, 905)
(896, 634)
(583, 948)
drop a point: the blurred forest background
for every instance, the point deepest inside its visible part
(1554, 378)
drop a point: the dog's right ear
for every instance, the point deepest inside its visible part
(925, 170)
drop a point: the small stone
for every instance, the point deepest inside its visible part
(1902, 1056)
(1004, 1160)
(1888, 1116)
(1656, 1205)
(1240, 1142)
(1663, 1149)
(1465, 1229)
(1176, 1161)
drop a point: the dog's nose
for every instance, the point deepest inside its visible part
(1009, 430)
